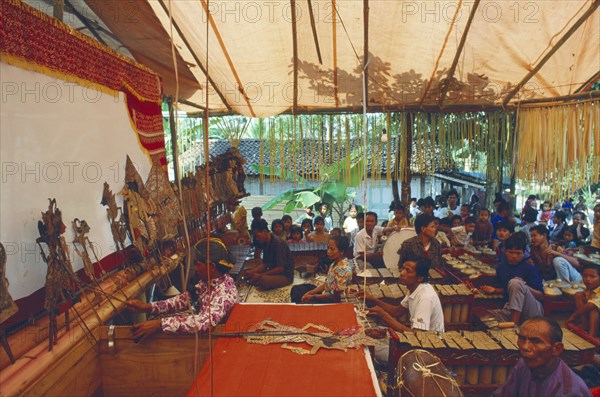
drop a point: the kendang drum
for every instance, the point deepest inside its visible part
(420, 373)
(393, 244)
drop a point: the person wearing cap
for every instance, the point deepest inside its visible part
(277, 266)
(216, 291)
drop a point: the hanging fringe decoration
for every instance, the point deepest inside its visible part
(348, 147)
(281, 150)
(559, 146)
(261, 151)
(388, 148)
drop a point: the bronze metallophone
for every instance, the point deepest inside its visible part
(480, 360)
(456, 299)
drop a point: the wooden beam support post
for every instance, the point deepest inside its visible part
(295, 51)
(459, 50)
(200, 65)
(550, 53)
(58, 9)
(174, 145)
(407, 174)
(314, 30)
(366, 51)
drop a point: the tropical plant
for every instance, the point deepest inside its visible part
(332, 189)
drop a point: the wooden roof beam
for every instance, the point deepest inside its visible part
(85, 22)
(553, 50)
(314, 30)
(202, 68)
(589, 83)
(295, 51)
(227, 56)
(366, 52)
(459, 50)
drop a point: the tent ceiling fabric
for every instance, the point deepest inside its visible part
(250, 51)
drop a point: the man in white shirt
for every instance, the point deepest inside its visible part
(453, 208)
(414, 209)
(366, 240)
(422, 304)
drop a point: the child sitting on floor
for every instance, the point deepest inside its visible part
(336, 231)
(320, 235)
(570, 238)
(587, 303)
(461, 235)
(546, 214)
(504, 229)
(465, 211)
(277, 228)
(296, 235)
(307, 228)
(482, 236)
(443, 230)
(399, 220)
(456, 221)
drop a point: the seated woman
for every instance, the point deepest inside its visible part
(214, 301)
(588, 302)
(338, 278)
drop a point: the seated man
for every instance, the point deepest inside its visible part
(366, 241)
(215, 302)
(540, 371)
(422, 304)
(277, 267)
(551, 263)
(520, 282)
(424, 244)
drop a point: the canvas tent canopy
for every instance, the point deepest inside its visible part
(261, 58)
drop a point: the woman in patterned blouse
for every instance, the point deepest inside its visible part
(339, 276)
(216, 291)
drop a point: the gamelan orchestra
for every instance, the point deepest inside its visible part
(408, 207)
(445, 299)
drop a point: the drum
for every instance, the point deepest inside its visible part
(420, 373)
(393, 244)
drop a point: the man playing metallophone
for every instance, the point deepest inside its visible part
(422, 304)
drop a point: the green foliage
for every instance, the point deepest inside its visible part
(332, 189)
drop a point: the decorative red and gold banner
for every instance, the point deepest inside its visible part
(33, 40)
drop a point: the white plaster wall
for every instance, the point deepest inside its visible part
(57, 140)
